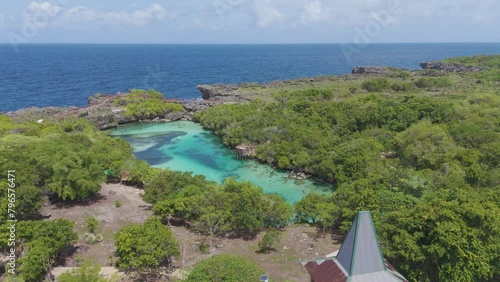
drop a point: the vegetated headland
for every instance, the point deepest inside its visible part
(419, 149)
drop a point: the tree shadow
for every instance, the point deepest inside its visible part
(96, 198)
(245, 235)
(67, 256)
(177, 222)
(266, 251)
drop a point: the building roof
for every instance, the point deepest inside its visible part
(359, 259)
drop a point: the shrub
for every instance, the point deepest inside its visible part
(203, 247)
(92, 224)
(269, 240)
(226, 268)
(91, 238)
(400, 74)
(118, 204)
(376, 85)
(88, 272)
(402, 86)
(435, 82)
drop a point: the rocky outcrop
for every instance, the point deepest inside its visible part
(449, 67)
(108, 111)
(371, 70)
(225, 93)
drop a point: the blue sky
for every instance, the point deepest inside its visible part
(249, 21)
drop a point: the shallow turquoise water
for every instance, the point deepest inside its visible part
(186, 146)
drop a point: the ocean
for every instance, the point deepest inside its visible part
(67, 74)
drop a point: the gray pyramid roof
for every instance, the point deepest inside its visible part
(361, 253)
(359, 259)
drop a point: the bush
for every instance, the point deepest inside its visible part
(87, 272)
(226, 268)
(429, 83)
(376, 85)
(269, 240)
(92, 224)
(91, 238)
(400, 74)
(403, 86)
(118, 204)
(203, 247)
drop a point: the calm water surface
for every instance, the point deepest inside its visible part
(186, 146)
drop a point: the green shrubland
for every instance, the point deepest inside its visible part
(420, 151)
(144, 104)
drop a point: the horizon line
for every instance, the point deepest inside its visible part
(248, 43)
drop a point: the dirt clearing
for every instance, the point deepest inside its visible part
(298, 243)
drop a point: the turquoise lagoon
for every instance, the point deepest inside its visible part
(186, 146)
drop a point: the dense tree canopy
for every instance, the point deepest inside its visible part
(422, 154)
(146, 246)
(421, 150)
(232, 207)
(42, 242)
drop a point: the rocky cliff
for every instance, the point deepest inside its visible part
(448, 67)
(371, 70)
(225, 93)
(106, 113)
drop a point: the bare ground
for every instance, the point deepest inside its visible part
(298, 243)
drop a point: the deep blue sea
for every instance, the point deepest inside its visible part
(65, 75)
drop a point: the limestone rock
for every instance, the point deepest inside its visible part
(448, 67)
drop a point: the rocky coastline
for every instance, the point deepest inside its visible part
(106, 114)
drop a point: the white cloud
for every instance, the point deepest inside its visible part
(266, 13)
(2, 19)
(61, 16)
(47, 8)
(314, 12)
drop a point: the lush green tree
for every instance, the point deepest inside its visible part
(225, 268)
(277, 212)
(308, 208)
(356, 159)
(232, 207)
(425, 145)
(449, 235)
(147, 246)
(167, 183)
(43, 242)
(69, 169)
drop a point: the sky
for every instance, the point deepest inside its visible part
(249, 21)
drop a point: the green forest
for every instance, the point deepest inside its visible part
(419, 149)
